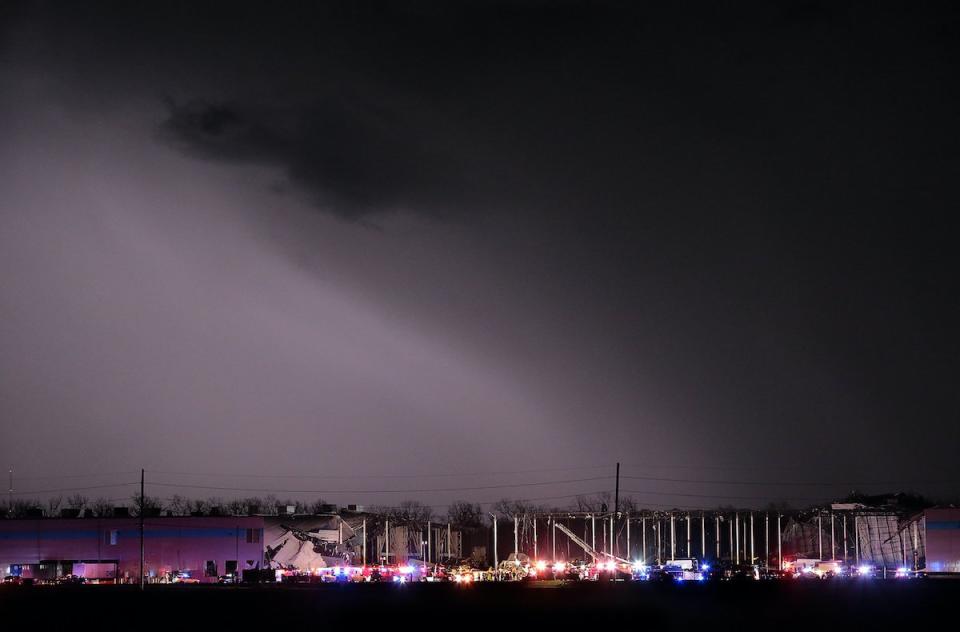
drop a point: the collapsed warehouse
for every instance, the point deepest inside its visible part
(354, 538)
(882, 534)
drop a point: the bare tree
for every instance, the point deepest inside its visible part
(102, 507)
(237, 507)
(77, 501)
(299, 506)
(596, 502)
(254, 505)
(410, 513)
(21, 507)
(318, 506)
(465, 514)
(53, 504)
(145, 505)
(629, 505)
(179, 505)
(510, 507)
(215, 506)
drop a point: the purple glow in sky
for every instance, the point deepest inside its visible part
(417, 241)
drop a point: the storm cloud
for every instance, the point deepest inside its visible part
(480, 235)
(350, 160)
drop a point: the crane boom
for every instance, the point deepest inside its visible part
(592, 552)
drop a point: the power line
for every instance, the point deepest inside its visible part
(380, 476)
(774, 483)
(679, 466)
(70, 489)
(722, 496)
(701, 481)
(56, 477)
(379, 491)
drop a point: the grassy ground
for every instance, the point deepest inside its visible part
(810, 605)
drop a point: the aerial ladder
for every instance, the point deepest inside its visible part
(592, 552)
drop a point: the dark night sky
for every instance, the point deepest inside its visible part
(710, 241)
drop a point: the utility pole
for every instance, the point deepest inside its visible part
(616, 512)
(643, 539)
(747, 541)
(449, 543)
(364, 541)
(535, 538)
(752, 556)
(553, 536)
(766, 540)
(779, 544)
(689, 546)
(386, 540)
(703, 535)
(616, 492)
(730, 529)
(736, 518)
(593, 531)
(820, 532)
(845, 556)
(717, 517)
(613, 550)
(142, 509)
(429, 538)
(10, 493)
(833, 538)
(496, 561)
(629, 557)
(516, 539)
(659, 527)
(605, 532)
(673, 536)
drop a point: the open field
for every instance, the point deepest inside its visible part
(775, 605)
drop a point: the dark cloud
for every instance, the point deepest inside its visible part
(350, 158)
(673, 228)
(607, 111)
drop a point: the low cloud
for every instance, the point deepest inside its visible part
(352, 159)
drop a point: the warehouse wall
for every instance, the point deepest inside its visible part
(942, 528)
(170, 543)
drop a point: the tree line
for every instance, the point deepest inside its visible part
(412, 513)
(462, 513)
